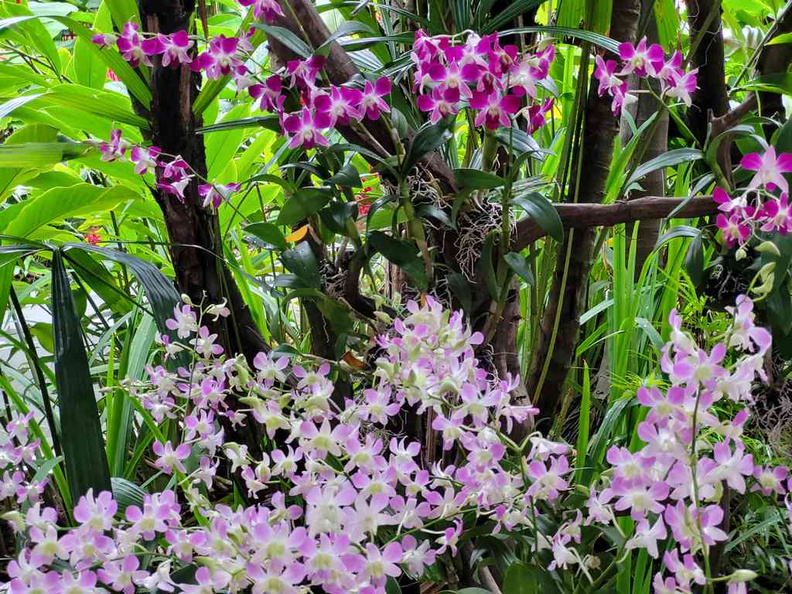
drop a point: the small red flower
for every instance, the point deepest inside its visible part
(92, 237)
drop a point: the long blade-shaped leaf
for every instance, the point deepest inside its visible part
(81, 431)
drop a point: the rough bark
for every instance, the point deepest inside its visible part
(558, 336)
(711, 98)
(775, 59)
(654, 183)
(587, 216)
(195, 248)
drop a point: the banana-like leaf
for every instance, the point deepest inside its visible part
(81, 430)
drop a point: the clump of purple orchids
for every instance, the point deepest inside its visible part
(644, 60)
(764, 203)
(338, 502)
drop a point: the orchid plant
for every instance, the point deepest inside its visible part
(337, 500)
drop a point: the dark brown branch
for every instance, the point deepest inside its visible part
(584, 216)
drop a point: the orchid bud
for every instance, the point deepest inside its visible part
(740, 254)
(743, 575)
(768, 247)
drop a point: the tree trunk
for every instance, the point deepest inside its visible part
(654, 183)
(196, 247)
(711, 97)
(558, 337)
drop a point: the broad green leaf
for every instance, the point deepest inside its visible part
(347, 177)
(669, 159)
(474, 178)
(287, 38)
(127, 493)
(160, 292)
(510, 14)
(595, 38)
(303, 263)
(105, 104)
(429, 138)
(8, 107)
(302, 204)
(268, 233)
(222, 146)
(26, 217)
(123, 11)
(520, 265)
(678, 231)
(88, 68)
(81, 431)
(401, 253)
(41, 154)
(542, 211)
(10, 177)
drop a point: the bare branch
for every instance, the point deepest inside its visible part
(584, 216)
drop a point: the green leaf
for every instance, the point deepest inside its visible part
(269, 233)
(340, 217)
(302, 261)
(430, 211)
(669, 159)
(781, 39)
(599, 40)
(771, 83)
(41, 154)
(302, 204)
(127, 493)
(105, 104)
(9, 106)
(694, 260)
(527, 579)
(81, 431)
(287, 38)
(88, 68)
(509, 14)
(542, 211)
(401, 253)
(23, 218)
(520, 265)
(221, 147)
(487, 267)
(428, 139)
(473, 178)
(345, 29)
(160, 292)
(461, 289)
(347, 177)
(678, 231)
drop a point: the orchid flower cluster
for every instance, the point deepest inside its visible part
(763, 205)
(174, 175)
(483, 75)
(339, 504)
(644, 60)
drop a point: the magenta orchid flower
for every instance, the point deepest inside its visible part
(770, 169)
(115, 149)
(733, 229)
(169, 457)
(104, 40)
(306, 128)
(268, 93)
(440, 104)
(640, 59)
(681, 85)
(215, 194)
(341, 105)
(777, 216)
(144, 159)
(173, 48)
(372, 103)
(220, 59)
(494, 109)
(130, 44)
(266, 10)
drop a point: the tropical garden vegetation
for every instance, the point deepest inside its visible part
(488, 296)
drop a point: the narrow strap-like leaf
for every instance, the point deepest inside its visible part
(81, 430)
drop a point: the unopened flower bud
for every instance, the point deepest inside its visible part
(743, 575)
(740, 253)
(768, 247)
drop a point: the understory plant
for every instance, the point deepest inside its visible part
(381, 297)
(334, 499)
